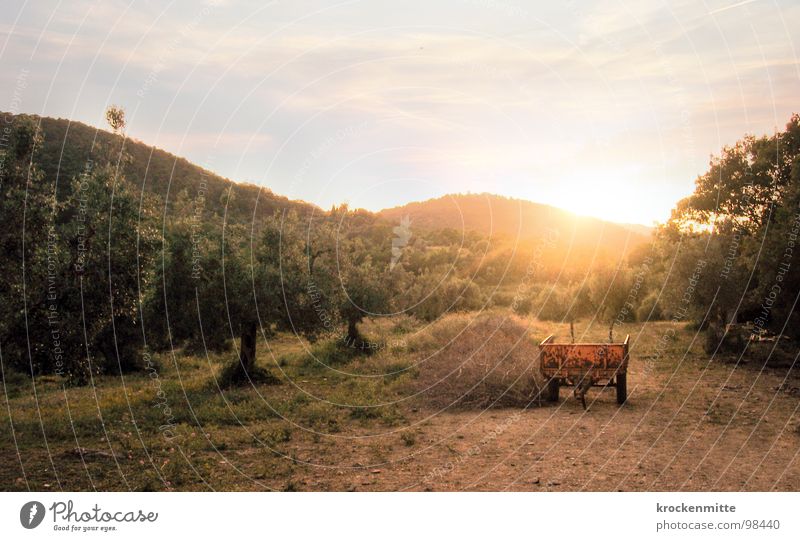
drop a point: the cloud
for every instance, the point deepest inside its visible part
(466, 89)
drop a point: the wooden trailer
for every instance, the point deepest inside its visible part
(584, 365)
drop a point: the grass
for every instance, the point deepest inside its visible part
(174, 429)
(144, 430)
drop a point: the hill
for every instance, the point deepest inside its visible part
(509, 220)
(68, 146)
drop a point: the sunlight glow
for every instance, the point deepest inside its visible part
(609, 197)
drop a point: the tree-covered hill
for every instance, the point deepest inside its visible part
(68, 146)
(505, 220)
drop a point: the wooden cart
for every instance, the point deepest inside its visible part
(584, 366)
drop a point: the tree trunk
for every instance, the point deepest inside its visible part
(245, 370)
(247, 348)
(352, 332)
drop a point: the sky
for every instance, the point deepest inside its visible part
(609, 108)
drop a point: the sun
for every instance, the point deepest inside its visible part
(611, 197)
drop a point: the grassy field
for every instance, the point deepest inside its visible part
(361, 422)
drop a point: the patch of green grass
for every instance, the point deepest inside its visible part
(15, 383)
(297, 402)
(396, 370)
(365, 413)
(274, 436)
(408, 438)
(388, 414)
(321, 416)
(332, 353)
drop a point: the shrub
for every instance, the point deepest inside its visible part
(500, 298)
(408, 438)
(551, 304)
(650, 309)
(721, 341)
(523, 305)
(332, 353)
(454, 295)
(403, 324)
(16, 383)
(780, 355)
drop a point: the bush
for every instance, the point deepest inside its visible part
(736, 343)
(770, 354)
(650, 309)
(15, 382)
(454, 295)
(551, 304)
(403, 324)
(500, 298)
(732, 341)
(333, 352)
(523, 305)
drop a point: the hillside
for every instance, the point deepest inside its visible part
(511, 220)
(68, 146)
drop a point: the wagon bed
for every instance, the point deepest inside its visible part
(588, 364)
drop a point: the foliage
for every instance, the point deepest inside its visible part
(73, 309)
(741, 226)
(30, 254)
(650, 308)
(115, 116)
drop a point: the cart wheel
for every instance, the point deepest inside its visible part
(622, 388)
(552, 390)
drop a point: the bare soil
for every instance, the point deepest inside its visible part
(714, 429)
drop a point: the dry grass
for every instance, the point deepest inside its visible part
(691, 423)
(478, 362)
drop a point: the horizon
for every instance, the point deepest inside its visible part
(373, 210)
(603, 113)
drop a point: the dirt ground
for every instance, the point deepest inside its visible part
(689, 424)
(663, 439)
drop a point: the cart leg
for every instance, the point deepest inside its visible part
(622, 388)
(552, 389)
(582, 387)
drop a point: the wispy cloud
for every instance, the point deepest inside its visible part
(511, 97)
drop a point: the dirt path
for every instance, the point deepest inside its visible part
(701, 428)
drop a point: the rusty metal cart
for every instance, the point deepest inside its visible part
(584, 366)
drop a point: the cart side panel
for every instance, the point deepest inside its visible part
(570, 360)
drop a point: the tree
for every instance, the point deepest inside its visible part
(186, 305)
(73, 307)
(741, 221)
(611, 293)
(363, 292)
(267, 288)
(349, 255)
(115, 116)
(31, 253)
(578, 305)
(111, 243)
